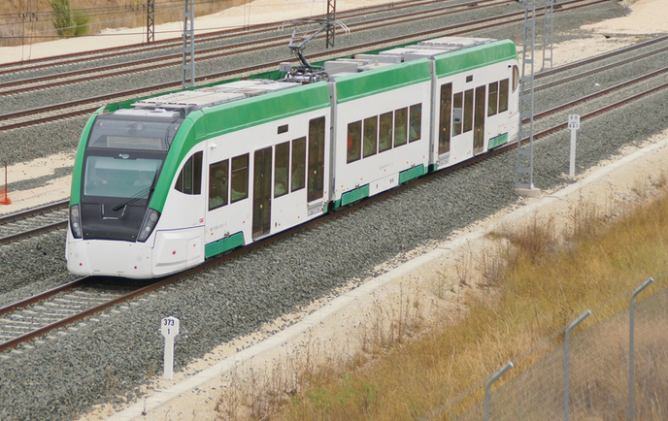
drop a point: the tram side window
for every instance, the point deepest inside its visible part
(503, 95)
(298, 164)
(370, 136)
(282, 169)
(468, 110)
(385, 137)
(457, 114)
(354, 141)
(239, 178)
(493, 99)
(218, 184)
(416, 123)
(400, 126)
(190, 177)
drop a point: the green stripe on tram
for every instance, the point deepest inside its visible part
(373, 82)
(77, 171)
(411, 174)
(498, 141)
(352, 196)
(224, 244)
(455, 62)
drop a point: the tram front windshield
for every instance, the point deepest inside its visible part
(124, 155)
(109, 176)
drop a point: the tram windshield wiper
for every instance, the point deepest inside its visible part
(139, 194)
(134, 198)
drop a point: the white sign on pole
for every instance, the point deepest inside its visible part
(169, 327)
(573, 125)
(573, 121)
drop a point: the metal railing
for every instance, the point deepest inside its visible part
(614, 369)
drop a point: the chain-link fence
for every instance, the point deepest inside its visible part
(598, 361)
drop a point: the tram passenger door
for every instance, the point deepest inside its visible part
(316, 158)
(445, 119)
(262, 193)
(479, 120)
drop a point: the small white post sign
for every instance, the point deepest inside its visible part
(169, 327)
(573, 125)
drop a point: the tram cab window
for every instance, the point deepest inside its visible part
(218, 184)
(516, 78)
(400, 127)
(124, 132)
(503, 95)
(457, 113)
(190, 177)
(354, 141)
(109, 176)
(239, 178)
(282, 169)
(493, 98)
(385, 137)
(416, 123)
(298, 164)
(370, 136)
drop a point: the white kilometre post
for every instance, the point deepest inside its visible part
(169, 327)
(573, 125)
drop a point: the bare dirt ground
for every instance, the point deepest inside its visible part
(429, 287)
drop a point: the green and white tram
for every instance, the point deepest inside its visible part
(163, 183)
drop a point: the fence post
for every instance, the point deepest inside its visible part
(488, 388)
(567, 346)
(631, 341)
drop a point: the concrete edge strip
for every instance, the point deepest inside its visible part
(329, 309)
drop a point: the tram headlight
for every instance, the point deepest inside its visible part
(150, 219)
(75, 221)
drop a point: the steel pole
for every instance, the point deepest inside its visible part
(567, 350)
(631, 342)
(488, 389)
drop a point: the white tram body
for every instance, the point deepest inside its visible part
(162, 184)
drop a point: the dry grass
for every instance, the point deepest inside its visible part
(24, 22)
(535, 281)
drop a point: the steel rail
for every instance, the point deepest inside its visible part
(42, 296)
(601, 69)
(35, 231)
(11, 217)
(600, 111)
(599, 57)
(600, 93)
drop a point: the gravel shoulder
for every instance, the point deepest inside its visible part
(425, 288)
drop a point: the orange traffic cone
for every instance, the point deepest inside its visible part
(4, 197)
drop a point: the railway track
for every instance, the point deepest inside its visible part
(171, 60)
(58, 307)
(177, 42)
(32, 222)
(367, 13)
(32, 318)
(71, 109)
